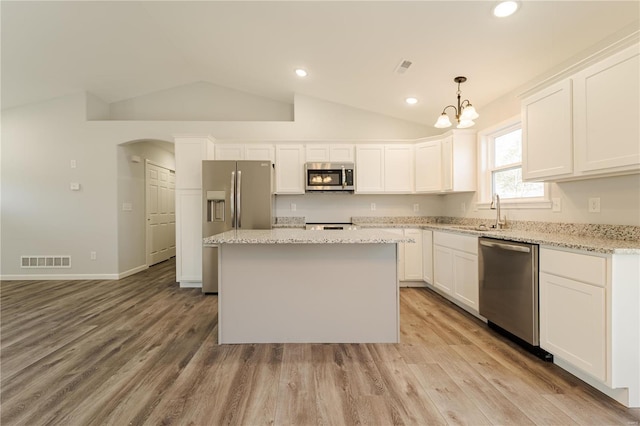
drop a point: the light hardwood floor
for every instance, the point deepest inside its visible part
(143, 351)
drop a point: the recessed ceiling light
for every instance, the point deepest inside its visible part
(411, 101)
(505, 8)
(301, 73)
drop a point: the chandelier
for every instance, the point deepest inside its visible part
(465, 112)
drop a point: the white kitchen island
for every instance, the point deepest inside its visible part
(293, 285)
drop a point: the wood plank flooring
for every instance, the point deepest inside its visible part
(143, 351)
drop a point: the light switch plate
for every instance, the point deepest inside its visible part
(74, 186)
(556, 204)
(594, 205)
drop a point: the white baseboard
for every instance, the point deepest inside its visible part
(132, 271)
(190, 284)
(58, 277)
(620, 394)
(75, 277)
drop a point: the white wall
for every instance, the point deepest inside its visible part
(131, 190)
(41, 216)
(619, 199)
(342, 207)
(201, 101)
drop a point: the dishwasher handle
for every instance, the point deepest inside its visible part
(505, 246)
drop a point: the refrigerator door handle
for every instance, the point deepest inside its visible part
(233, 199)
(239, 199)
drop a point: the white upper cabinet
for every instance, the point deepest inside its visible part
(323, 153)
(586, 125)
(189, 152)
(229, 152)
(547, 142)
(398, 168)
(256, 151)
(370, 168)
(447, 164)
(607, 114)
(290, 169)
(387, 168)
(260, 152)
(428, 166)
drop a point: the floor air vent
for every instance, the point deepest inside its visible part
(45, 261)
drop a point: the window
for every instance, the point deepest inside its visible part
(502, 167)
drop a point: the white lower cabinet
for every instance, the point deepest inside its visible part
(589, 318)
(409, 257)
(572, 322)
(427, 256)
(413, 256)
(455, 267)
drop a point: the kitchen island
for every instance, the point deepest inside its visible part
(292, 285)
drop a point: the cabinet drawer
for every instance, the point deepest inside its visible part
(580, 267)
(456, 241)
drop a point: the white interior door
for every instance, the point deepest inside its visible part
(161, 217)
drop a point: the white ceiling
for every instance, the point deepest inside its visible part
(119, 50)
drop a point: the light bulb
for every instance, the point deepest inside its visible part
(469, 113)
(443, 121)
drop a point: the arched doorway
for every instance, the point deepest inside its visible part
(146, 204)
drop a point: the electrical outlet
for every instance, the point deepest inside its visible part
(594, 205)
(556, 204)
(373, 207)
(416, 207)
(93, 255)
(293, 207)
(463, 207)
(73, 164)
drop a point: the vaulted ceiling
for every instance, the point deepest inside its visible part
(120, 50)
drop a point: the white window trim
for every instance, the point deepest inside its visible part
(484, 174)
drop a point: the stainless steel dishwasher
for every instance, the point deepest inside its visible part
(508, 274)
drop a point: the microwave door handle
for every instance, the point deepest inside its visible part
(233, 199)
(344, 177)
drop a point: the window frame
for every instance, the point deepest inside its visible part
(486, 149)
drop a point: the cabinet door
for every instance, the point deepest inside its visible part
(547, 139)
(428, 167)
(317, 153)
(572, 323)
(229, 152)
(289, 169)
(427, 256)
(188, 235)
(341, 153)
(606, 111)
(443, 268)
(446, 158)
(370, 168)
(398, 168)
(465, 278)
(413, 255)
(189, 154)
(259, 152)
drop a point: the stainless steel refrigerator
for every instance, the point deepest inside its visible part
(236, 195)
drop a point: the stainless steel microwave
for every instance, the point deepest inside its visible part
(329, 177)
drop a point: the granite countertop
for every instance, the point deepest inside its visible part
(576, 242)
(301, 236)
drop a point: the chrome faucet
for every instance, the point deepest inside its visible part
(495, 205)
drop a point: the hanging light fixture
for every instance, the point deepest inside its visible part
(465, 112)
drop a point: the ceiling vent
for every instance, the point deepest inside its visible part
(403, 67)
